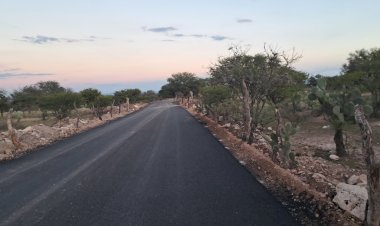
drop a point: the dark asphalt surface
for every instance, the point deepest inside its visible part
(158, 166)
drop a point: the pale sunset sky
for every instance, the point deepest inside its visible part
(117, 44)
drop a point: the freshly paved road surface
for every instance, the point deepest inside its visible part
(158, 166)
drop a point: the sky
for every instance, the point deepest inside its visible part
(117, 44)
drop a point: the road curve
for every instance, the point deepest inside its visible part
(158, 166)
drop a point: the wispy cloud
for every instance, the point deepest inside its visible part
(244, 21)
(198, 36)
(179, 35)
(167, 31)
(219, 37)
(160, 29)
(16, 72)
(42, 39)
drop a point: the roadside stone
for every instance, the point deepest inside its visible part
(227, 125)
(319, 177)
(362, 179)
(353, 180)
(236, 127)
(3, 156)
(352, 198)
(356, 180)
(27, 129)
(334, 157)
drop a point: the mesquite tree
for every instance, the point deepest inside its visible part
(257, 80)
(61, 104)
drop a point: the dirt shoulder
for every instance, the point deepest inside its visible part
(307, 197)
(36, 136)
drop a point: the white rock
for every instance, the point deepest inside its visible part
(227, 125)
(334, 157)
(326, 127)
(3, 156)
(270, 128)
(236, 127)
(352, 198)
(362, 179)
(353, 180)
(83, 121)
(27, 129)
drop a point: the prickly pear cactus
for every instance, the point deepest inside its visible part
(338, 106)
(281, 146)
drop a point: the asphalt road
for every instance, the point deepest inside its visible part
(158, 166)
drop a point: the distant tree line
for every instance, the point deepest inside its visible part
(50, 97)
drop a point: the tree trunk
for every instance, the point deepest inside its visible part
(77, 114)
(113, 102)
(93, 110)
(127, 104)
(246, 110)
(11, 132)
(339, 143)
(283, 153)
(374, 103)
(373, 167)
(119, 108)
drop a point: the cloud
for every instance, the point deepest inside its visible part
(219, 37)
(244, 21)
(41, 39)
(179, 35)
(160, 29)
(166, 30)
(198, 36)
(15, 72)
(191, 35)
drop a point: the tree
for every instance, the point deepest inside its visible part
(236, 72)
(213, 96)
(49, 87)
(133, 94)
(167, 91)
(89, 96)
(120, 98)
(4, 106)
(365, 65)
(28, 97)
(25, 99)
(100, 104)
(148, 96)
(60, 103)
(256, 79)
(183, 82)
